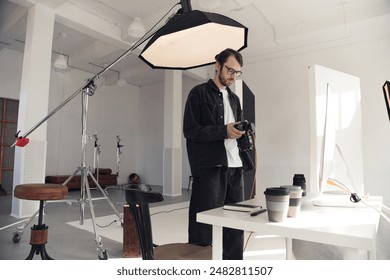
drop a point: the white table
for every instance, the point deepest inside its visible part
(353, 229)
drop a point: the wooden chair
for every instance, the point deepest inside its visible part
(138, 201)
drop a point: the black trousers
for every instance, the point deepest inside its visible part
(213, 187)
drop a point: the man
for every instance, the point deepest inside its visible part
(211, 112)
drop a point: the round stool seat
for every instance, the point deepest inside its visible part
(41, 191)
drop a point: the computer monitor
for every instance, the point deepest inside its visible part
(336, 140)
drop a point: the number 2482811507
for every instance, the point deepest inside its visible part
(231, 270)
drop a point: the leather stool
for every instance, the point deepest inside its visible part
(39, 232)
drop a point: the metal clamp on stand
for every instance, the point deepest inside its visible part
(96, 156)
(118, 153)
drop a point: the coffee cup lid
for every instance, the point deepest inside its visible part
(291, 187)
(276, 191)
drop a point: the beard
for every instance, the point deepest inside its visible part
(225, 82)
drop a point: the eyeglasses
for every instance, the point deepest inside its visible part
(231, 71)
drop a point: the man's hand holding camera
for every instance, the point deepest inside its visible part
(232, 131)
(244, 143)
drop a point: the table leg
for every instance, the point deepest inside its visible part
(217, 242)
(371, 255)
(351, 254)
(289, 252)
(356, 254)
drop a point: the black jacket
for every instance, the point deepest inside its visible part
(204, 126)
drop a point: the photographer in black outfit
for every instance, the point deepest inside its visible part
(211, 113)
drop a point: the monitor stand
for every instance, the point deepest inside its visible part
(343, 200)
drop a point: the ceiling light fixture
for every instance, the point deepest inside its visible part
(61, 63)
(192, 39)
(136, 28)
(121, 82)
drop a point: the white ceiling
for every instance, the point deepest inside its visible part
(97, 29)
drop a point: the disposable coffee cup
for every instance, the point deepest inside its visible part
(295, 200)
(277, 202)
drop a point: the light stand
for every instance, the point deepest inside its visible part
(85, 172)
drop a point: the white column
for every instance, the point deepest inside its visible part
(172, 133)
(30, 161)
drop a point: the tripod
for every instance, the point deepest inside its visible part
(89, 90)
(85, 193)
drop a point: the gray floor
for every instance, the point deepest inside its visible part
(66, 242)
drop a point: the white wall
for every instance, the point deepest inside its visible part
(151, 134)
(282, 112)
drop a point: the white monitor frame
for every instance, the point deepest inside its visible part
(335, 131)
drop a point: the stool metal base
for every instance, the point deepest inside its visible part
(38, 240)
(39, 250)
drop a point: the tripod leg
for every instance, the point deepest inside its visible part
(17, 235)
(71, 176)
(101, 252)
(82, 195)
(106, 197)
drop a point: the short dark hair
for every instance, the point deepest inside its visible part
(224, 55)
(132, 175)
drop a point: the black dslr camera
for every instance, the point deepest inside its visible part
(245, 143)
